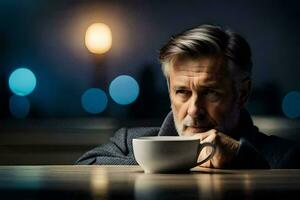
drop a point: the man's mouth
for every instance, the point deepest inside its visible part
(197, 129)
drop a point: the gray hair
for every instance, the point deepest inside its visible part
(210, 40)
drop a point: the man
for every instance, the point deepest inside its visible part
(208, 72)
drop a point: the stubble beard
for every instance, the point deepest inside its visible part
(230, 121)
(178, 126)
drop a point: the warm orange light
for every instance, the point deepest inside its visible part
(98, 38)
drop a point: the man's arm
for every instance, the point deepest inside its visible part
(118, 151)
(247, 157)
(113, 153)
(291, 159)
(253, 151)
(267, 152)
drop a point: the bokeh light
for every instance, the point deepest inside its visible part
(124, 89)
(19, 106)
(22, 81)
(98, 38)
(94, 100)
(291, 104)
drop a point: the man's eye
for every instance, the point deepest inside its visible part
(183, 92)
(212, 92)
(212, 95)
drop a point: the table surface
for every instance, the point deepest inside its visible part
(130, 182)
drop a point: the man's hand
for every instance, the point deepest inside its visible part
(226, 148)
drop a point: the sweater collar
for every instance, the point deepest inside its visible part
(168, 126)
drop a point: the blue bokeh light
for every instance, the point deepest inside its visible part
(291, 104)
(19, 106)
(94, 100)
(22, 81)
(124, 90)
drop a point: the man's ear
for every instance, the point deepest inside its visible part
(244, 92)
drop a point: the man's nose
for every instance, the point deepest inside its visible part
(196, 107)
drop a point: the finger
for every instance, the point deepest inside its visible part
(206, 164)
(204, 135)
(210, 139)
(207, 151)
(201, 136)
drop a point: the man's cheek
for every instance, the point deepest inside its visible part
(217, 110)
(175, 104)
(181, 112)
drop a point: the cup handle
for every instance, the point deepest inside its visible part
(201, 146)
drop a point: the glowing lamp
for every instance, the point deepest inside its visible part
(98, 38)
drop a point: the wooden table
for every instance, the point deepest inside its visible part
(129, 182)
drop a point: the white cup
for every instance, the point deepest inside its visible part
(164, 154)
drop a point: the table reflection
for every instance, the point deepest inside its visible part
(165, 186)
(130, 182)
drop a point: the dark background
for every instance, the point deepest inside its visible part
(48, 37)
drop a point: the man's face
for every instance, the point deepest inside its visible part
(202, 96)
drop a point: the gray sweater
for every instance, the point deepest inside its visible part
(256, 150)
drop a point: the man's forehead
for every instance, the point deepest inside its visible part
(203, 80)
(208, 72)
(212, 65)
(206, 68)
(201, 77)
